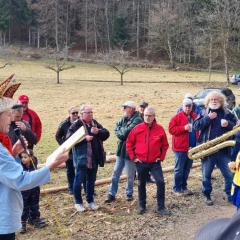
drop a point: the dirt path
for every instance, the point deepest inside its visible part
(187, 230)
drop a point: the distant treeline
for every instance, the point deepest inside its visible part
(181, 31)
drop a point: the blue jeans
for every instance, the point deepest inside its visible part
(70, 173)
(221, 160)
(81, 175)
(181, 171)
(118, 168)
(155, 169)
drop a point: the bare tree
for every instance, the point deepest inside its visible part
(60, 63)
(221, 20)
(117, 59)
(5, 54)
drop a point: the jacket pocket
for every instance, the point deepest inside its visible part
(79, 156)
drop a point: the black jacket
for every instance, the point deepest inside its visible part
(79, 151)
(28, 134)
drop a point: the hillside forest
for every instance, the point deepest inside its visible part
(200, 32)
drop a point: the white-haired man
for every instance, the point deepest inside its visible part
(213, 122)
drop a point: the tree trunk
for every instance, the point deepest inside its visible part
(95, 33)
(107, 24)
(58, 79)
(38, 37)
(56, 26)
(122, 78)
(86, 26)
(29, 36)
(226, 65)
(138, 28)
(170, 54)
(210, 59)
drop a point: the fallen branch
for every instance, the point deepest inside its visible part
(106, 180)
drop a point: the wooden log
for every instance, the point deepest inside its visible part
(106, 180)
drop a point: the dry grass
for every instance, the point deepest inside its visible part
(164, 90)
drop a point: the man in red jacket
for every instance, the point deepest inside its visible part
(183, 137)
(31, 117)
(147, 145)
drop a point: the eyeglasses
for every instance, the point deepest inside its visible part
(88, 112)
(74, 113)
(125, 107)
(188, 105)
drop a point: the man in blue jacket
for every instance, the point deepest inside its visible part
(87, 155)
(213, 122)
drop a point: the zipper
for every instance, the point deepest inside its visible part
(149, 132)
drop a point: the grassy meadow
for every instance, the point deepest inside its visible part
(99, 86)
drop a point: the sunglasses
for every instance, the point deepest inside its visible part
(73, 113)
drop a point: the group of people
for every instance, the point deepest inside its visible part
(142, 146)
(197, 128)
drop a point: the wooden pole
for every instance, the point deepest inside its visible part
(106, 180)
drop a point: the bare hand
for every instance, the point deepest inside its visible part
(61, 158)
(137, 160)
(212, 115)
(18, 148)
(224, 123)
(21, 125)
(188, 127)
(94, 130)
(89, 138)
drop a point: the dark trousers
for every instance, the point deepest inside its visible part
(31, 204)
(9, 236)
(156, 170)
(70, 173)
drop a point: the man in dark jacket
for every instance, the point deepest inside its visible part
(31, 117)
(87, 155)
(123, 127)
(18, 122)
(61, 137)
(213, 122)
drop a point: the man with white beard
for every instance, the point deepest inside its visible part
(213, 122)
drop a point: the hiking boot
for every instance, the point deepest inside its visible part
(80, 207)
(164, 212)
(142, 210)
(110, 198)
(92, 205)
(129, 197)
(37, 223)
(23, 229)
(207, 199)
